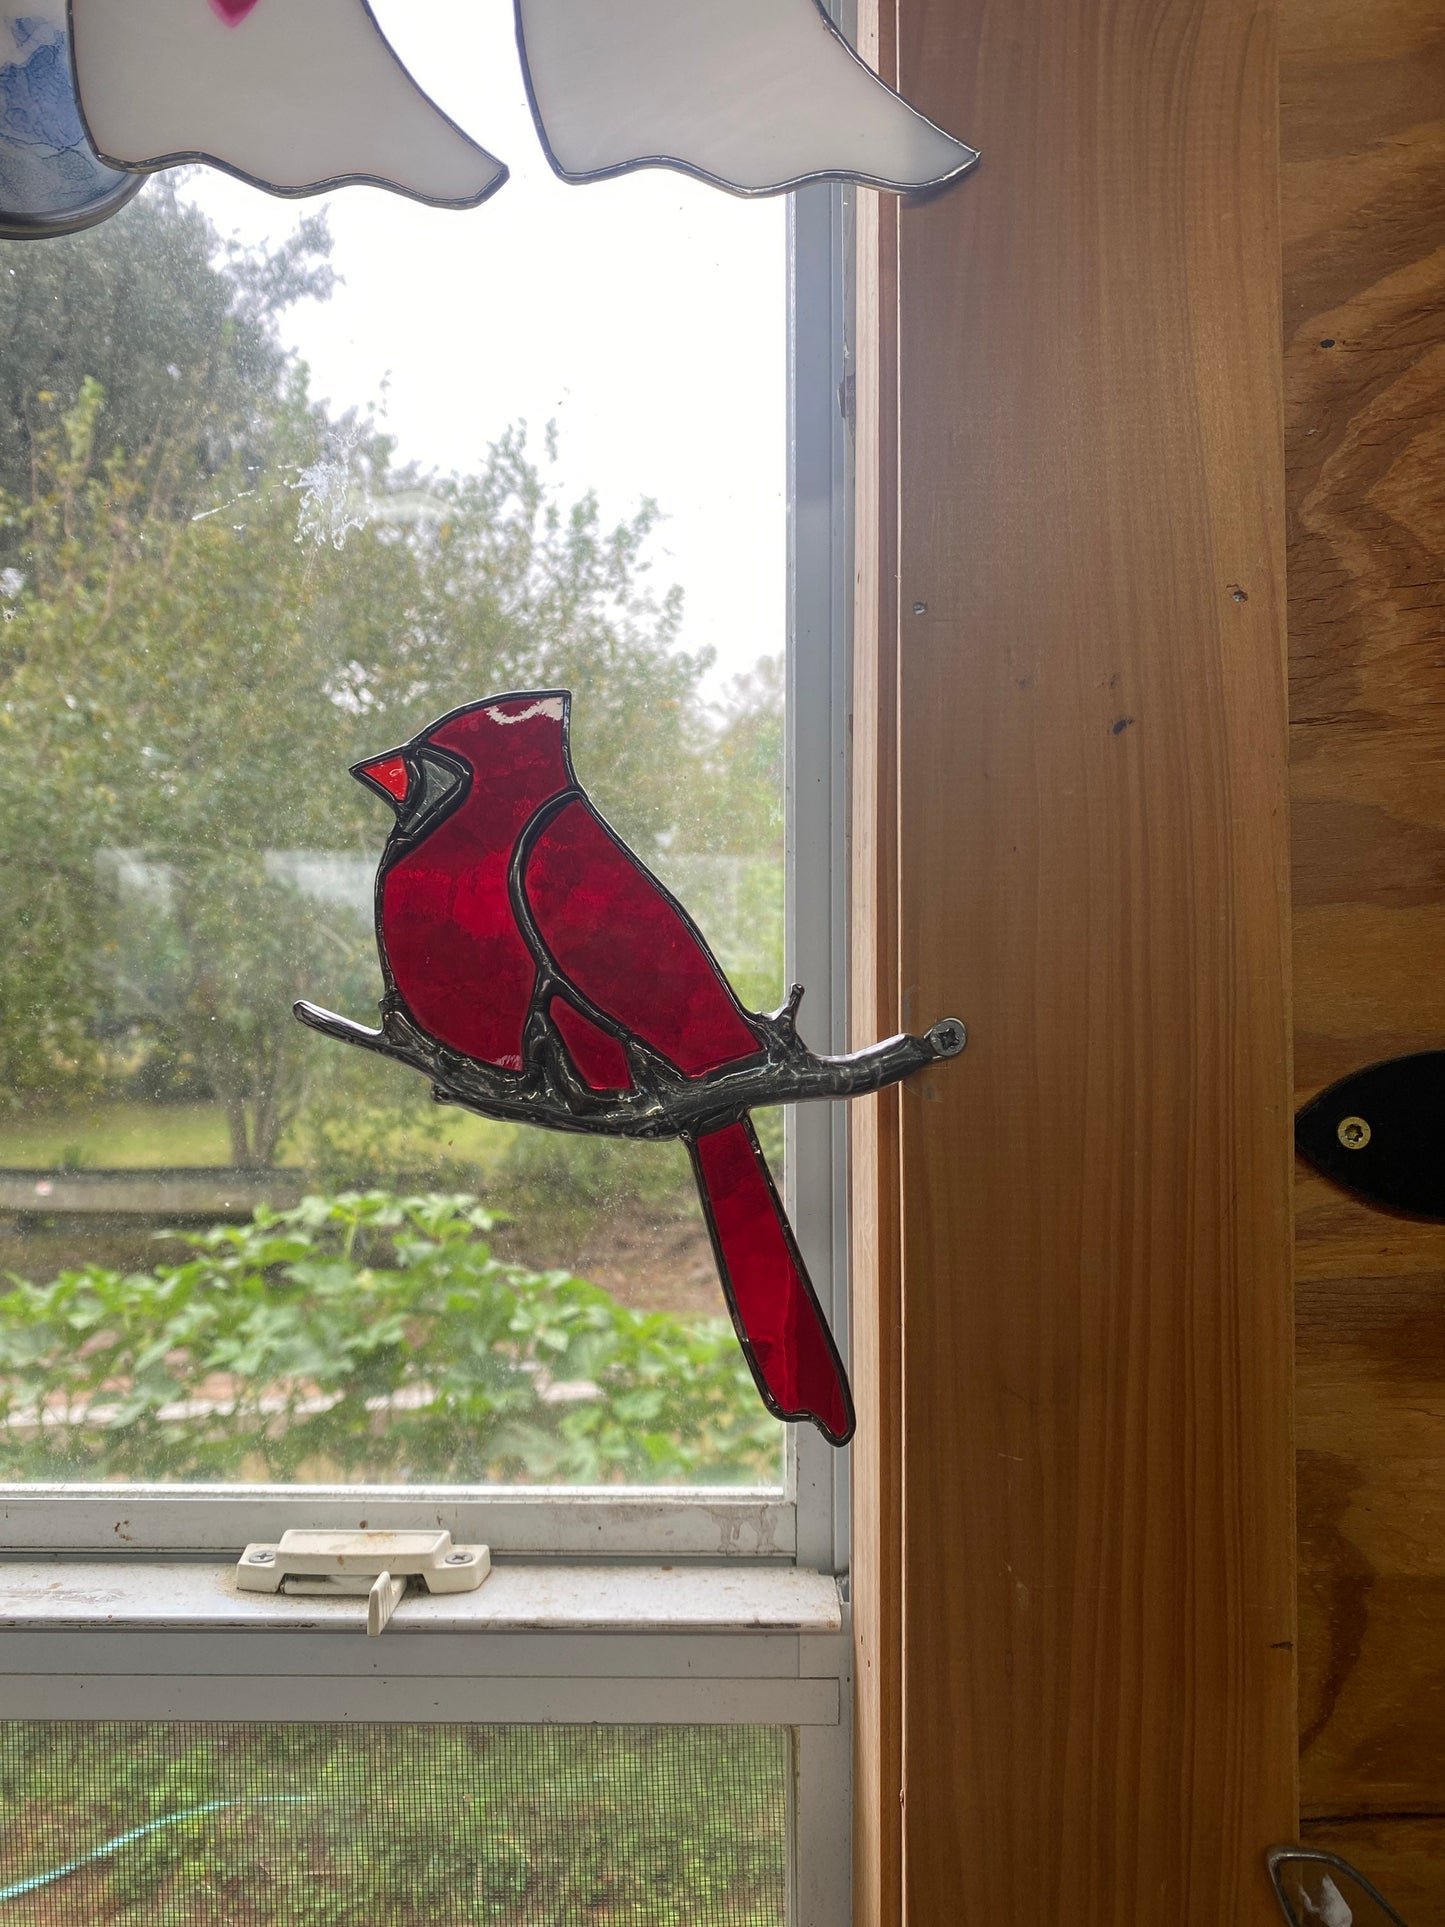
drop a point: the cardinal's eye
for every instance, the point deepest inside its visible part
(437, 783)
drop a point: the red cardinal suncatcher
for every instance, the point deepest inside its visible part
(536, 970)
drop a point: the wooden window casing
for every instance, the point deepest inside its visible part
(1073, 1531)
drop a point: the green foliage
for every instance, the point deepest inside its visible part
(174, 327)
(325, 1826)
(365, 1122)
(366, 1337)
(740, 807)
(188, 665)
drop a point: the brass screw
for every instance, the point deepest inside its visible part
(1353, 1133)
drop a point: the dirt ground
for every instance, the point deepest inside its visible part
(653, 1263)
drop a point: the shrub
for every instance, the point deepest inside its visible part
(366, 1337)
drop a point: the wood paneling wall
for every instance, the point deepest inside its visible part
(1081, 1651)
(1363, 128)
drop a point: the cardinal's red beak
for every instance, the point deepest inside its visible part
(388, 775)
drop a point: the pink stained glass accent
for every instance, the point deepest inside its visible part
(769, 1295)
(392, 774)
(617, 937)
(233, 12)
(601, 1061)
(448, 930)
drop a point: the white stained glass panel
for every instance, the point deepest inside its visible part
(757, 95)
(1321, 1890)
(291, 97)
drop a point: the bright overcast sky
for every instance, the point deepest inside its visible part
(645, 315)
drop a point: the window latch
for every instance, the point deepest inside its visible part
(376, 1566)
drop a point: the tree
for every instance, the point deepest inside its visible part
(176, 328)
(189, 667)
(742, 809)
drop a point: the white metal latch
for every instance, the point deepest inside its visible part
(371, 1565)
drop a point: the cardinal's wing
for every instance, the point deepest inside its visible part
(624, 944)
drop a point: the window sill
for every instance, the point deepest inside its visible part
(116, 1596)
(120, 1640)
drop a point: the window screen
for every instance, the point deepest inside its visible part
(330, 1826)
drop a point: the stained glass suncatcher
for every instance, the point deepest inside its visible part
(1317, 1889)
(757, 96)
(292, 98)
(50, 180)
(537, 972)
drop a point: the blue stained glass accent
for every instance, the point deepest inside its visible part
(50, 180)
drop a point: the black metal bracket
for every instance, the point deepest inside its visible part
(1380, 1134)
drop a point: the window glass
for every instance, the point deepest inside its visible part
(279, 484)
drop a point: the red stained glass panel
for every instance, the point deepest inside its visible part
(601, 1061)
(452, 943)
(615, 935)
(769, 1295)
(392, 774)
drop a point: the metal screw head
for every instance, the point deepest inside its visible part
(458, 1559)
(261, 1558)
(1353, 1132)
(948, 1037)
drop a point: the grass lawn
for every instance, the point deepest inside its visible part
(116, 1137)
(119, 1136)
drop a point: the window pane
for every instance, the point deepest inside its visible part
(398, 1826)
(278, 486)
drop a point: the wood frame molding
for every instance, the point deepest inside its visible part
(874, 1001)
(1073, 1528)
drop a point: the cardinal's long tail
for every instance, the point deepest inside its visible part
(775, 1310)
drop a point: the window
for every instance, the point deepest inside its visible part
(269, 507)
(148, 1686)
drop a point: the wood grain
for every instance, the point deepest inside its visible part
(1363, 205)
(1098, 1685)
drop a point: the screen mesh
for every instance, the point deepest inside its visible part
(386, 1826)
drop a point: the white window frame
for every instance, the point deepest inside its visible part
(804, 1521)
(131, 1641)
